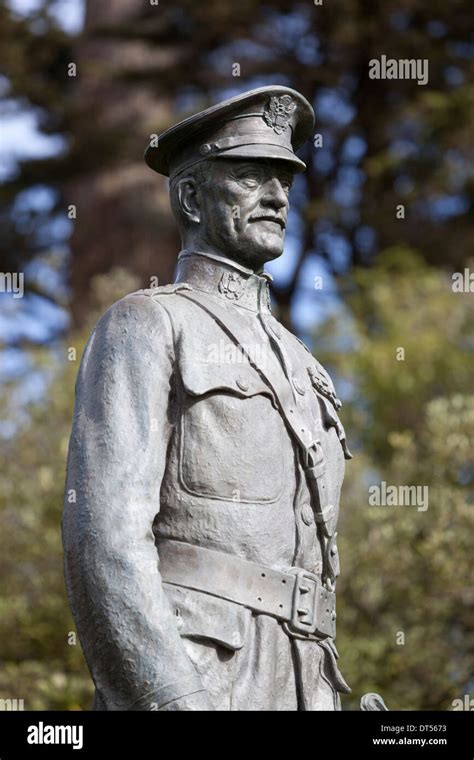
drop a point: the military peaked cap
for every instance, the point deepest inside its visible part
(269, 122)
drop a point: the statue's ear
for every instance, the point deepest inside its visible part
(188, 200)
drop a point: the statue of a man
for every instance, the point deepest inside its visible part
(207, 454)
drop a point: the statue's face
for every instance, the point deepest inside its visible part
(244, 208)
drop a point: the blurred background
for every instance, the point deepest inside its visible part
(380, 221)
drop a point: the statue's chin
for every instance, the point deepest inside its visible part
(253, 260)
(270, 254)
(255, 256)
(247, 252)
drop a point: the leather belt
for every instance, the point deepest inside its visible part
(296, 597)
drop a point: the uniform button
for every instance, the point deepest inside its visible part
(242, 383)
(307, 514)
(298, 386)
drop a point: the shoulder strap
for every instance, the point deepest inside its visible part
(313, 459)
(244, 339)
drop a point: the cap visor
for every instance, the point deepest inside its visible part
(263, 151)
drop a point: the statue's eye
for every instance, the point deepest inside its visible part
(286, 182)
(250, 177)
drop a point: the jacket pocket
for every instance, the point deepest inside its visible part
(202, 616)
(231, 445)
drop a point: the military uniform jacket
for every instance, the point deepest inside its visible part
(177, 437)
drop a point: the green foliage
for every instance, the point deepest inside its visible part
(412, 421)
(39, 660)
(37, 663)
(402, 304)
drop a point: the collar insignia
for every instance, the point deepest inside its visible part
(231, 285)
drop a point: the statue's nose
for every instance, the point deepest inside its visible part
(274, 194)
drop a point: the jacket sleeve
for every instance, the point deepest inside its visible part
(117, 457)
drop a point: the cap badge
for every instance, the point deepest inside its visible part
(231, 285)
(278, 111)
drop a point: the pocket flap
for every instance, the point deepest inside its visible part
(240, 378)
(200, 615)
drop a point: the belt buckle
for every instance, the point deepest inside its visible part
(313, 612)
(304, 609)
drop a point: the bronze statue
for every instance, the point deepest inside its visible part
(207, 454)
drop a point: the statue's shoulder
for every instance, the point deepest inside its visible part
(163, 295)
(147, 301)
(162, 290)
(139, 313)
(298, 345)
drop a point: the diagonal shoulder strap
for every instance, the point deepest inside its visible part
(244, 339)
(313, 459)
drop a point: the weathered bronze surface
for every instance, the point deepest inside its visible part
(207, 454)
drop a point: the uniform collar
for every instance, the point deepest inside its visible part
(224, 278)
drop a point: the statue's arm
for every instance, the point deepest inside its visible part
(117, 457)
